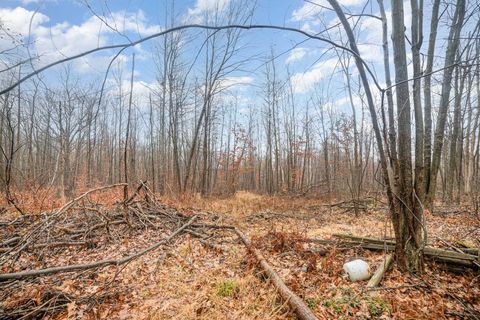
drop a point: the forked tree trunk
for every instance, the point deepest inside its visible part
(405, 217)
(407, 220)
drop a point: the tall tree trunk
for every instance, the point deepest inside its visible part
(453, 41)
(417, 39)
(427, 94)
(127, 133)
(386, 63)
(407, 220)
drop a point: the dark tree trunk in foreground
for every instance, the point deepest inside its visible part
(409, 216)
(406, 217)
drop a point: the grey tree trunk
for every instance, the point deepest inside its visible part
(407, 220)
(427, 93)
(452, 47)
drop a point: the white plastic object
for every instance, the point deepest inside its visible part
(357, 270)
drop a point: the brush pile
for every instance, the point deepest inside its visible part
(83, 235)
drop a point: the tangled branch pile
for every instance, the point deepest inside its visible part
(32, 285)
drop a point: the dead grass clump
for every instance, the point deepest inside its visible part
(246, 196)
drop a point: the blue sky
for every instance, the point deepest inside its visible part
(66, 27)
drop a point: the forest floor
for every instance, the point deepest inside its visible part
(218, 278)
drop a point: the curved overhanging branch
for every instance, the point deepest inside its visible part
(192, 26)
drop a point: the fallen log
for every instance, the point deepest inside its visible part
(93, 265)
(429, 251)
(363, 239)
(380, 272)
(471, 251)
(10, 241)
(63, 244)
(298, 305)
(302, 311)
(435, 254)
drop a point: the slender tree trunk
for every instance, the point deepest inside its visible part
(127, 133)
(427, 93)
(417, 39)
(453, 41)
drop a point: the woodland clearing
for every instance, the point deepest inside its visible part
(207, 273)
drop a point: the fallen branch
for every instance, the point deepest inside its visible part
(98, 264)
(380, 272)
(298, 305)
(137, 191)
(83, 195)
(438, 253)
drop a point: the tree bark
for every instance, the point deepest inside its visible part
(452, 47)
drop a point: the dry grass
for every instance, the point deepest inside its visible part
(187, 281)
(324, 288)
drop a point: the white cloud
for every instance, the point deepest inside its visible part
(345, 101)
(232, 81)
(135, 22)
(239, 80)
(27, 2)
(304, 82)
(242, 101)
(206, 8)
(72, 39)
(307, 27)
(371, 52)
(296, 54)
(17, 20)
(140, 94)
(52, 42)
(310, 10)
(306, 11)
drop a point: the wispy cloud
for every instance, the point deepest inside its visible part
(305, 81)
(310, 10)
(205, 9)
(296, 54)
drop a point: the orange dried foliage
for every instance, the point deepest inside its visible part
(40, 199)
(275, 241)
